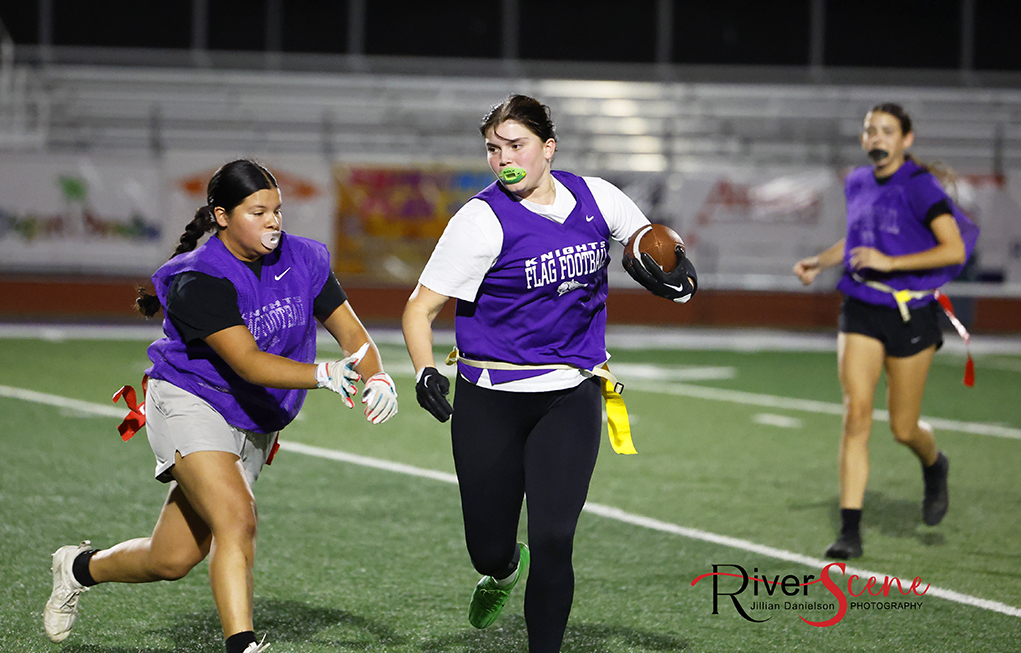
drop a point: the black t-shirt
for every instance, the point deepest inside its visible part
(199, 305)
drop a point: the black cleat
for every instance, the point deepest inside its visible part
(845, 548)
(937, 497)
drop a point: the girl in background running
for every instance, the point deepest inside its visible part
(905, 239)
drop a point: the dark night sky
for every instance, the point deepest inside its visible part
(869, 33)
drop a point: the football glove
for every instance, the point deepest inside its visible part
(674, 285)
(432, 389)
(380, 398)
(340, 376)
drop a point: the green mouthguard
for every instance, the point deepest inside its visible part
(512, 175)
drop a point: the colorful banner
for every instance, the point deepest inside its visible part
(389, 218)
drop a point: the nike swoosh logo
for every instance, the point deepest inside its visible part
(915, 339)
(278, 277)
(588, 218)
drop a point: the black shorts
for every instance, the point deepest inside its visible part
(901, 339)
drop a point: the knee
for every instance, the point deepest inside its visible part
(174, 567)
(904, 431)
(857, 417)
(243, 529)
(555, 547)
(239, 526)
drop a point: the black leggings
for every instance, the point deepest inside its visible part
(543, 444)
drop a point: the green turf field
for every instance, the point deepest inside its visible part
(352, 557)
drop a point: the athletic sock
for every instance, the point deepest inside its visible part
(514, 564)
(850, 522)
(80, 568)
(504, 582)
(238, 642)
(932, 472)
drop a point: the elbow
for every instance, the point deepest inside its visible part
(250, 369)
(248, 375)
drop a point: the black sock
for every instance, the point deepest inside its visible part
(935, 468)
(850, 522)
(238, 642)
(80, 568)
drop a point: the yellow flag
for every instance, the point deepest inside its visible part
(617, 424)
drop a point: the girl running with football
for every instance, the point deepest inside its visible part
(905, 239)
(240, 317)
(526, 260)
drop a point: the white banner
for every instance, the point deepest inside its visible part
(79, 214)
(94, 216)
(994, 203)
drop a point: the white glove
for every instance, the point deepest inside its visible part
(340, 376)
(380, 398)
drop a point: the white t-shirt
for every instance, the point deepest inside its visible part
(473, 238)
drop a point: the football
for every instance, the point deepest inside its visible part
(658, 241)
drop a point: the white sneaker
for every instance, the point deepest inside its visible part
(257, 647)
(62, 608)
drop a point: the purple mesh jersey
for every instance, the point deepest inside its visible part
(891, 217)
(544, 299)
(276, 308)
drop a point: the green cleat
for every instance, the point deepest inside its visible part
(489, 598)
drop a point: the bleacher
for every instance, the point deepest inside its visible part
(642, 126)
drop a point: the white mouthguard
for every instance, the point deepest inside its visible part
(271, 239)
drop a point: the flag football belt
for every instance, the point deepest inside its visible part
(618, 426)
(135, 419)
(902, 297)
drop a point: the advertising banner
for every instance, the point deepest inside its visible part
(994, 203)
(744, 228)
(79, 215)
(747, 228)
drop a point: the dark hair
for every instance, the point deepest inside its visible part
(228, 187)
(898, 112)
(528, 111)
(943, 173)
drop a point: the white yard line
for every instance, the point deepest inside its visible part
(617, 337)
(607, 512)
(812, 406)
(616, 514)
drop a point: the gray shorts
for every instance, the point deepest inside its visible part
(176, 420)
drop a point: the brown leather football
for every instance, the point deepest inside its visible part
(658, 241)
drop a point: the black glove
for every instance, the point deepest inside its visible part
(432, 389)
(678, 285)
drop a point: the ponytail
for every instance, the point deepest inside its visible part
(147, 303)
(199, 225)
(944, 174)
